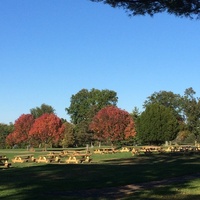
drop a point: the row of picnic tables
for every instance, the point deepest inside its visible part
(55, 157)
(75, 157)
(171, 149)
(150, 149)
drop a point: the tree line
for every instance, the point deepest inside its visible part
(96, 119)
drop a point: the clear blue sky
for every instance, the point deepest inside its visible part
(51, 49)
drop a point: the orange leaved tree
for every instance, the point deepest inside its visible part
(22, 127)
(47, 129)
(11, 139)
(112, 124)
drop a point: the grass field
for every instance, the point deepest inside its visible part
(106, 177)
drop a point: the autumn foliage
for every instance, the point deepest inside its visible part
(112, 124)
(22, 127)
(11, 139)
(47, 129)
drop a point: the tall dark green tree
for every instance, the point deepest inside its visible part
(39, 111)
(5, 130)
(135, 114)
(191, 107)
(182, 8)
(84, 106)
(169, 100)
(157, 124)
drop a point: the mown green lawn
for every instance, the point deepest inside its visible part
(96, 180)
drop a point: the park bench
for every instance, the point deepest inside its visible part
(23, 158)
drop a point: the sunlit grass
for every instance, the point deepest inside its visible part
(39, 181)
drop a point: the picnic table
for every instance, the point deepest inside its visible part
(44, 159)
(104, 150)
(135, 151)
(54, 157)
(150, 149)
(79, 158)
(125, 149)
(23, 158)
(4, 162)
(188, 149)
(65, 153)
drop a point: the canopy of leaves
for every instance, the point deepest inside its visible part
(167, 99)
(68, 138)
(182, 8)
(112, 124)
(39, 111)
(22, 127)
(157, 124)
(85, 104)
(48, 129)
(191, 107)
(5, 130)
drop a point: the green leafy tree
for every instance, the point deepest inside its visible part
(39, 111)
(135, 114)
(84, 106)
(68, 137)
(169, 100)
(5, 130)
(182, 8)
(157, 124)
(191, 107)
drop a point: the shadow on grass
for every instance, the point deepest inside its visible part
(132, 178)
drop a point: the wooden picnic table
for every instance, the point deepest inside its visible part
(150, 149)
(4, 162)
(135, 151)
(53, 157)
(44, 159)
(79, 158)
(125, 149)
(23, 158)
(49, 158)
(65, 153)
(104, 150)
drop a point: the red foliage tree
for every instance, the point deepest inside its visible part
(112, 124)
(22, 127)
(47, 129)
(11, 139)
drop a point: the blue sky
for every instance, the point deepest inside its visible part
(51, 49)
